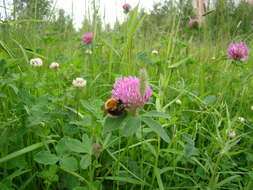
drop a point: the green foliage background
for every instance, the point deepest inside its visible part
(54, 136)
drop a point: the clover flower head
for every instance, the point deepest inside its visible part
(241, 119)
(238, 51)
(126, 7)
(36, 62)
(87, 38)
(88, 51)
(79, 82)
(231, 133)
(178, 101)
(155, 52)
(193, 22)
(127, 89)
(54, 65)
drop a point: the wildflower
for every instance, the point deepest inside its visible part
(127, 89)
(88, 51)
(238, 51)
(54, 65)
(178, 102)
(79, 82)
(154, 52)
(36, 62)
(231, 133)
(241, 119)
(87, 38)
(193, 22)
(251, 108)
(126, 7)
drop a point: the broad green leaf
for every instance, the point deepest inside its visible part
(70, 179)
(69, 163)
(70, 129)
(131, 126)
(61, 147)
(75, 145)
(44, 157)
(151, 148)
(85, 161)
(94, 107)
(87, 142)
(50, 173)
(190, 150)
(210, 99)
(157, 114)
(157, 128)
(86, 120)
(113, 123)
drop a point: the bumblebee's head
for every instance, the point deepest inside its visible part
(111, 104)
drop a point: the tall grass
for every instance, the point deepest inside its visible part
(54, 136)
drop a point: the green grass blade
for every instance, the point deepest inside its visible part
(6, 49)
(122, 179)
(227, 180)
(25, 150)
(23, 51)
(28, 181)
(158, 178)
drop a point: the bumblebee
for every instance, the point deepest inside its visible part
(114, 107)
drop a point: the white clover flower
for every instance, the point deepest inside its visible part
(155, 52)
(79, 82)
(179, 102)
(36, 62)
(241, 119)
(54, 65)
(88, 51)
(251, 108)
(231, 134)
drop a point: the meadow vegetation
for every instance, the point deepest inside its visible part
(194, 132)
